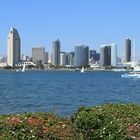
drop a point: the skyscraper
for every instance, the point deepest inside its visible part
(113, 55)
(127, 50)
(62, 59)
(102, 55)
(13, 47)
(71, 58)
(105, 55)
(81, 55)
(94, 56)
(56, 52)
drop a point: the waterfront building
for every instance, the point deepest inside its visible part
(25, 58)
(13, 47)
(94, 56)
(56, 53)
(92, 53)
(81, 56)
(102, 55)
(50, 58)
(71, 59)
(127, 50)
(38, 55)
(105, 55)
(46, 56)
(62, 59)
(85, 55)
(113, 55)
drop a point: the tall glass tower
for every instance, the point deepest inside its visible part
(13, 47)
(81, 55)
(56, 52)
(105, 55)
(127, 50)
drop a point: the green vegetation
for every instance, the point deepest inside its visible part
(105, 122)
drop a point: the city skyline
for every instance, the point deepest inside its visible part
(90, 23)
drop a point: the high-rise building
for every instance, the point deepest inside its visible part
(38, 55)
(13, 47)
(102, 55)
(62, 59)
(127, 50)
(92, 53)
(56, 52)
(105, 55)
(113, 55)
(46, 56)
(85, 55)
(94, 56)
(81, 55)
(67, 58)
(71, 58)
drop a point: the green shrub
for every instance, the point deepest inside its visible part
(36, 126)
(107, 122)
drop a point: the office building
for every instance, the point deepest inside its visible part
(38, 54)
(127, 50)
(92, 53)
(56, 53)
(46, 57)
(105, 55)
(71, 59)
(13, 47)
(94, 56)
(81, 56)
(113, 55)
(62, 58)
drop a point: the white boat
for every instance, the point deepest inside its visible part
(82, 70)
(23, 68)
(131, 75)
(118, 70)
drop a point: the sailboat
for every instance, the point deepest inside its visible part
(82, 70)
(23, 69)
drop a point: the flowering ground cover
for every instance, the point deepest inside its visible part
(105, 122)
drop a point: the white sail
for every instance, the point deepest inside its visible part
(23, 69)
(82, 70)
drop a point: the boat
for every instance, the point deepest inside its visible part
(82, 70)
(23, 68)
(119, 70)
(20, 70)
(131, 75)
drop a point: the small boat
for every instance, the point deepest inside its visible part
(23, 69)
(82, 70)
(131, 75)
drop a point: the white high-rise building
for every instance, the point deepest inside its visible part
(62, 59)
(113, 55)
(13, 47)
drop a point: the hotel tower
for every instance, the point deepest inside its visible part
(13, 47)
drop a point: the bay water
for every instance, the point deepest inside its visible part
(63, 92)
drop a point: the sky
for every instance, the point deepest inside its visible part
(73, 22)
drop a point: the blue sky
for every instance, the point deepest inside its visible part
(74, 22)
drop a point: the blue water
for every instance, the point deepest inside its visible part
(63, 92)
